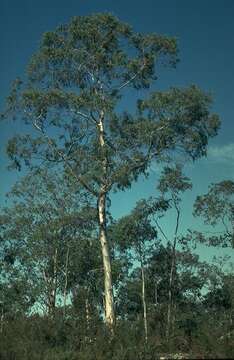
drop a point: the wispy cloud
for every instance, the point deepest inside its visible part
(222, 153)
(216, 154)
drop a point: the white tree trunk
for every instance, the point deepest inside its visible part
(87, 314)
(172, 274)
(171, 284)
(108, 287)
(53, 285)
(144, 302)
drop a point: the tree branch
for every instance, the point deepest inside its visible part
(63, 156)
(132, 78)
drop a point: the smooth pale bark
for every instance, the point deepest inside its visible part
(171, 280)
(108, 287)
(87, 314)
(172, 271)
(53, 285)
(144, 302)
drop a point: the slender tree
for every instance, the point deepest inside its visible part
(135, 233)
(173, 183)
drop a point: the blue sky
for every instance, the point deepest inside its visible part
(205, 31)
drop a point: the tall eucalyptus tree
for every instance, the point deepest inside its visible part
(72, 97)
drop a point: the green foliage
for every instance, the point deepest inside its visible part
(48, 225)
(135, 230)
(80, 71)
(172, 180)
(181, 112)
(217, 208)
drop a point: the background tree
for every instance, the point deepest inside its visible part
(172, 184)
(72, 98)
(217, 209)
(134, 233)
(46, 220)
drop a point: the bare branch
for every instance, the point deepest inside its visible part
(132, 78)
(160, 228)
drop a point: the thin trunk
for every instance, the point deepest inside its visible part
(87, 313)
(172, 271)
(2, 321)
(156, 294)
(53, 285)
(144, 302)
(65, 284)
(173, 319)
(170, 300)
(156, 291)
(108, 287)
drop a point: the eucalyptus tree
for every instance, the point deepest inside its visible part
(188, 279)
(44, 228)
(17, 295)
(219, 304)
(134, 233)
(217, 300)
(217, 210)
(73, 95)
(172, 184)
